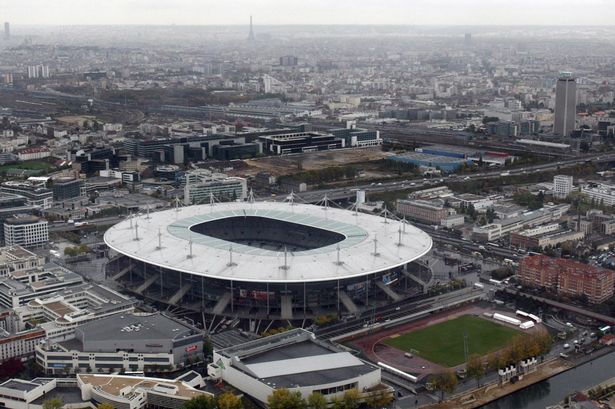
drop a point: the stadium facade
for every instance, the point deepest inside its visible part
(266, 260)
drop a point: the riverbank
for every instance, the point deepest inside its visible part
(492, 392)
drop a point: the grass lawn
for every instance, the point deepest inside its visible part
(30, 165)
(443, 343)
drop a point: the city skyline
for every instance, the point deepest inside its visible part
(275, 12)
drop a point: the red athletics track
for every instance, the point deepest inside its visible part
(372, 347)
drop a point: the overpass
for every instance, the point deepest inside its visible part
(567, 307)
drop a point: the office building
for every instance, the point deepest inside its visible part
(20, 287)
(202, 185)
(17, 259)
(60, 313)
(130, 342)
(427, 211)
(10, 205)
(501, 228)
(600, 193)
(26, 231)
(14, 342)
(251, 34)
(288, 61)
(565, 104)
(467, 39)
(543, 236)
(67, 188)
(567, 277)
(35, 193)
(300, 142)
(295, 360)
(562, 186)
(7, 31)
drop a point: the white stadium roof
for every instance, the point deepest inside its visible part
(212, 256)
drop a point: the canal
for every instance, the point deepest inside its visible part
(553, 390)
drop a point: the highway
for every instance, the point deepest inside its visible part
(350, 191)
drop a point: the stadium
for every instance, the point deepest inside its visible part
(266, 260)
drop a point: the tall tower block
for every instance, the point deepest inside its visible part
(251, 35)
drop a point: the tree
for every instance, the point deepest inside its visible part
(379, 398)
(475, 368)
(11, 368)
(317, 401)
(351, 399)
(201, 402)
(445, 382)
(105, 405)
(284, 399)
(229, 401)
(53, 403)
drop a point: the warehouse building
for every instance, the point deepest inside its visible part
(444, 163)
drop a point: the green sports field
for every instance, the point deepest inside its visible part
(443, 343)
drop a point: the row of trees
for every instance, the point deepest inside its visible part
(75, 251)
(521, 347)
(224, 401)
(330, 174)
(352, 399)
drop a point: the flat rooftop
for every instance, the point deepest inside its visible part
(296, 359)
(19, 385)
(115, 385)
(135, 327)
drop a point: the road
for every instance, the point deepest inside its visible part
(350, 191)
(102, 221)
(567, 307)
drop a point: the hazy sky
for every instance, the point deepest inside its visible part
(447, 12)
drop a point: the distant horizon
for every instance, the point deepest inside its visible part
(306, 25)
(313, 12)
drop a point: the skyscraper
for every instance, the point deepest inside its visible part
(565, 104)
(251, 35)
(7, 31)
(467, 39)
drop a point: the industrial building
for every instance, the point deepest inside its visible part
(130, 342)
(295, 360)
(445, 163)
